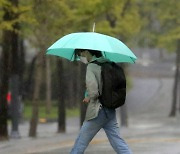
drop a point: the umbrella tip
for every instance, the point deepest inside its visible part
(94, 26)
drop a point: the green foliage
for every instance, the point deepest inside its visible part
(169, 16)
(118, 18)
(148, 32)
(53, 20)
(19, 15)
(161, 20)
(44, 21)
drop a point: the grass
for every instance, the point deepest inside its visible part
(52, 115)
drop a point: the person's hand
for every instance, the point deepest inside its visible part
(86, 100)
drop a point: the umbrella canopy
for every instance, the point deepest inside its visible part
(111, 48)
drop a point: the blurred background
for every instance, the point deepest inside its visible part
(41, 96)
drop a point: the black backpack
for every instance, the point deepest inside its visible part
(113, 85)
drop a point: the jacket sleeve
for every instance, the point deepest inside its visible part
(91, 84)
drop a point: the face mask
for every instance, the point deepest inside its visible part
(83, 60)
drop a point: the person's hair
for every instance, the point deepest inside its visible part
(92, 52)
(95, 53)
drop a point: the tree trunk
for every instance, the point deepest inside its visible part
(179, 91)
(9, 66)
(70, 103)
(176, 79)
(4, 84)
(35, 102)
(48, 86)
(21, 77)
(67, 76)
(15, 105)
(61, 98)
(178, 54)
(124, 116)
(15, 73)
(29, 82)
(21, 65)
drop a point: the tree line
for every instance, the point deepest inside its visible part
(42, 22)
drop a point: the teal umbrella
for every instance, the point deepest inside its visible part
(111, 48)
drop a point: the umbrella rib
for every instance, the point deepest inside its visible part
(132, 60)
(105, 54)
(72, 56)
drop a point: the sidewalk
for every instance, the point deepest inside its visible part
(150, 130)
(158, 136)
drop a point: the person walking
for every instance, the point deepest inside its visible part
(97, 116)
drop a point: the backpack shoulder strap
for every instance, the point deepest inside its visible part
(96, 62)
(101, 63)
